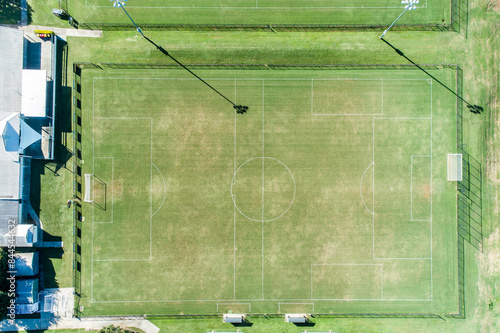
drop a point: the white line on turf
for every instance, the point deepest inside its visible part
(348, 114)
(280, 303)
(249, 6)
(312, 96)
(350, 264)
(151, 199)
(411, 188)
(381, 281)
(112, 172)
(263, 155)
(382, 96)
(255, 79)
(164, 189)
(360, 188)
(249, 305)
(112, 178)
(271, 300)
(432, 291)
(373, 225)
(373, 186)
(311, 271)
(234, 206)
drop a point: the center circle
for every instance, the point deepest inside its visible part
(263, 189)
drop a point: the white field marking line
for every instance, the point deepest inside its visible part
(234, 206)
(311, 282)
(254, 79)
(404, 118)
(256, 7)
(151, 202)
(148, 259)
(411, 188)
(234, 182)
(373, 219)
(373, 186)
(382, 96)
(126, 118)
(270, 300)
(352, 114)
(279, 305)
(112, 178)
(151, 199)
(94, 80)
(432, 291)
(93, 171)
(352, 299)
(360, 188)
(164, 189)
(93, 301)
(381, 281)
(263, 155)
(312, 96)
(249, 305)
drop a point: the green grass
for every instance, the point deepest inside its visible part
(260, 12)
(176, 151)
(477, 55)
(41, 13)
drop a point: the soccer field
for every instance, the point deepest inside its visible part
(329, 195)
(350, 12)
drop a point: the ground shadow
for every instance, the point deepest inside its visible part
(48, 275)
(473, 108)
(243, 324)
(306, 324)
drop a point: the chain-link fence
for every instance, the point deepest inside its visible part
(264, 27)
(469, 199)
(99, 65)
(77, 181)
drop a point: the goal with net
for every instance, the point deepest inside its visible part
(455, 167)
(88, 188)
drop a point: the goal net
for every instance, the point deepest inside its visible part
(88, 188)
(454, 167)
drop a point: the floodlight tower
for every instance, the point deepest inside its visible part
(409, 5)
(240, 109)
(121, 4)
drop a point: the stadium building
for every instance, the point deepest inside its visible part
(27, 104)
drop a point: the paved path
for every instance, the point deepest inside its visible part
(63, 32)
(63, 301)
(88, 323)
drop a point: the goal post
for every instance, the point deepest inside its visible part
(455, 167)
(89, 188)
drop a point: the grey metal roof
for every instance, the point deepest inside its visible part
(11, 65)
(26, 291)
(8, 212)
(27, 264)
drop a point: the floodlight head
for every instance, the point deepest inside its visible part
(118, 3)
